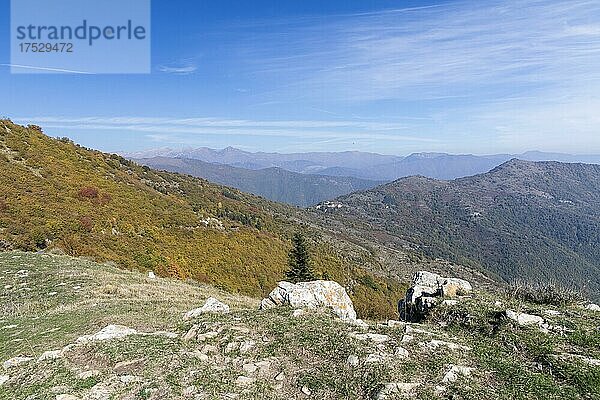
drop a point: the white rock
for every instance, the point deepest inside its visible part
(16, 361)
(88, 374)
(372, 337)
(401, 352)
(250, 368)
(151, 275)
(206, 336)
(108, 333)
(524, 319)
(392, 389)
(280, 377)
(191, 333)
(247, 346)
(211, 305)
(316, 294)
(298, 313)
(395, 324)
(244, 380)
(66, 397)
(374, 358)
(593, 307)
(50, 355)
(4, 379)
(407, 338)
(127, 379)
(434, 344)
(306, 390)
(455, 370)
(352, 361)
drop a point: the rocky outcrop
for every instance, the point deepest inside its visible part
(316, 294)
(427, 291)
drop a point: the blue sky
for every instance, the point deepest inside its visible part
(392, 77)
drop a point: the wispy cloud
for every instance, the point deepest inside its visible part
(184, 68)
(465, 49)
(181, 130)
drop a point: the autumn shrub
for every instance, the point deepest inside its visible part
(86, 223)
(88, 192)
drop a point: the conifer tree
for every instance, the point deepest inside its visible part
(299, 261)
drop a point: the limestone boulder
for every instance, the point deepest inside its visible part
(312, 295)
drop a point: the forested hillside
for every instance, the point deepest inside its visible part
(57, 196)
(522, 221)
(275, 184)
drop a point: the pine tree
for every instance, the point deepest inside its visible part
(299, 261)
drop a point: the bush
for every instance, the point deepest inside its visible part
(88, 193)
(545, 293)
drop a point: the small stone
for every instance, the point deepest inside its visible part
(127, 379)
(250, 368)
(190, 391)
(211, 305)
(306, 390)
(280, 377)
(66, 397)
(244, 380)
(151, 275)
(352, 361)
(108, 333)
(401, 352)
(88, 374)
(524, 319)
(373, 337)
(395, 324)
(407, 338)
(50, 355)
(208, 335)
(247, 346)
(374, 358)
(4, 379)
(191, 333)
(298, 313)
(16, 361)
(434, 344)
(210, 349)
(455, 370)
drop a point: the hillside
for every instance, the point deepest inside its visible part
(470, 350)
(272, 183)
(57, 196)
(521, 221)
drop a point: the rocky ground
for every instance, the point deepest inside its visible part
(72, 329)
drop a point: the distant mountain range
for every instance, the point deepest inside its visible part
(537, 221)
(369, 166)
(272, 183)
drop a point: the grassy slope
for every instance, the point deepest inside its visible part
(510, 362)
(148, 220)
